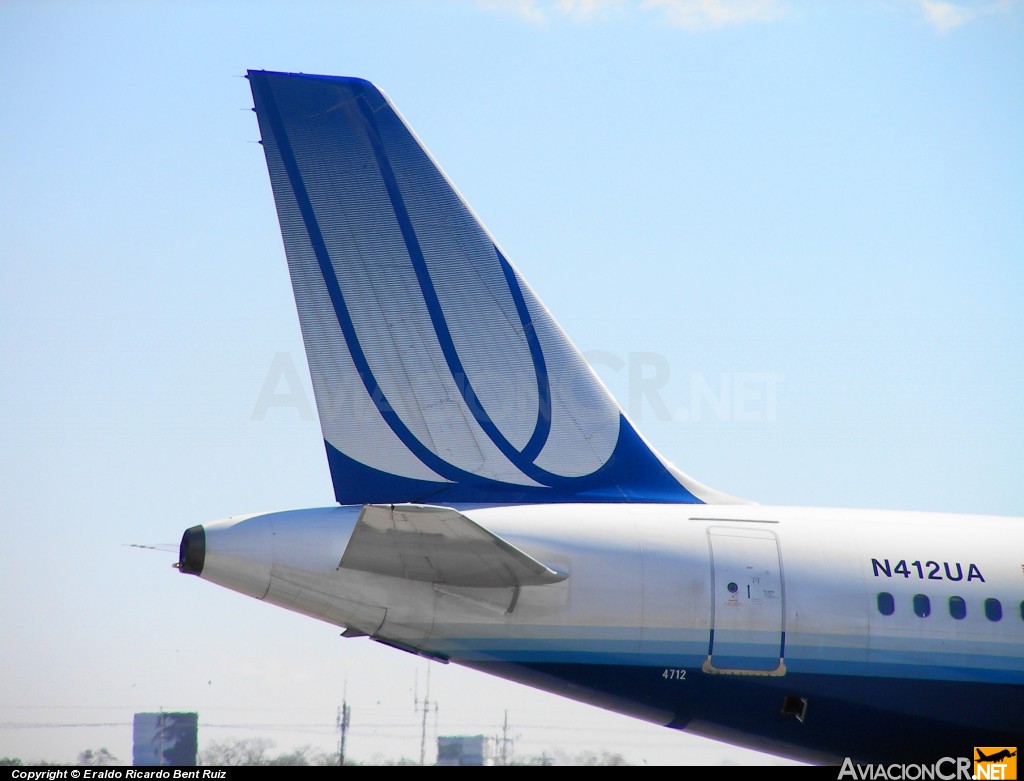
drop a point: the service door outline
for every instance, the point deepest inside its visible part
(747, 603)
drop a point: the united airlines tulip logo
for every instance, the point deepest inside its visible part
(995, 762)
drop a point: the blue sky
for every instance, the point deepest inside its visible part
(788, 234)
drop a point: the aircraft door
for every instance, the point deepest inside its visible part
(747, 632)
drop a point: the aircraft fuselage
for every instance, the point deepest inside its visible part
(817, 633)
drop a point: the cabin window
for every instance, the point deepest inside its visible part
(922, 606)
(993, 610)
(886, 604)
(957, 608)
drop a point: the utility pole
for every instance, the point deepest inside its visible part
(424, 707)
(505, 742)
(344, 716)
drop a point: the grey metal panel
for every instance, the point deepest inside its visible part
(438, 545)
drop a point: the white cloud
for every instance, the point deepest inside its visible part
(688, 14)
(945, 15)
(589, 9)
(530, 10)
(704, 14)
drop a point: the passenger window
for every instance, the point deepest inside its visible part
(993, 610)
(922, 606)
(957, 608)
(886, 604)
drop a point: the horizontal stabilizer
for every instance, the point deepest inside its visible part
(439, 545)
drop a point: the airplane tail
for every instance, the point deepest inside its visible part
(439, 375)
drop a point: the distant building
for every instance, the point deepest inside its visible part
(165, 739)
(462, 750)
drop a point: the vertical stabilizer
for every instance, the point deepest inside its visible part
(439, 376)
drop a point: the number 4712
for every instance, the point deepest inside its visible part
(674, 675)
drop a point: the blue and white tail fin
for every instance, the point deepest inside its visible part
(439, 376)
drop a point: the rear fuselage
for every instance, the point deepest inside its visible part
(815, 633)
